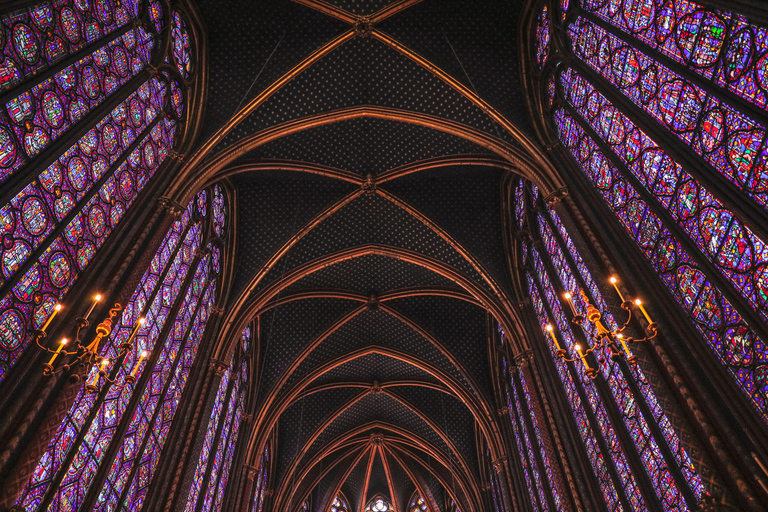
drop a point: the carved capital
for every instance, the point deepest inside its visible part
(250, 472)
(218, 367)
(556, 197)
(524, 357)
(363, 26)
(169, 205)
(176, 155)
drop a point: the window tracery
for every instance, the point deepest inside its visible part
(340, 504)
(53, 226)
(175, 296)
(663, 108)
(418, 504)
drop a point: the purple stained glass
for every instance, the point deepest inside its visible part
(35, 38)
(542, 36)
(582, 422)
(138, 451)
(737, 347)
(720, 47)
(219, 213)
(734, 249)
(36, 118)
(59, 191)
(181, 46)
(666, 489)
(62, 442)
(519, 204)
(731, 142)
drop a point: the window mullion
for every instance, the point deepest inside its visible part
(216, 443)
(97, 484)
(735, 199)
(105, 464)
(602, 387)
(587, 409)
(650, 418)
(76, 445)
(713, 274)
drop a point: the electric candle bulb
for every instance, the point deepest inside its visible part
(613, 282)
(56, 309)
(642, 309)
(58, 351)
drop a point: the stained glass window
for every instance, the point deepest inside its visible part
(175, 296)
(617, 406)
(537, 469)
(260, 483)
(663, 100)
(418, 504)
(542, 36)
(340, 504)
(215, 460)
(54, 219)
(379, 505)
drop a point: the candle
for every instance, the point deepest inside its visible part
(613, 282)
(645, 313)
(58, 351)
(56, 309)
(551, 333)
(624, 344)
(96, 300)
(138, 363)
(135, 330)
(583, 359)
(569, 298)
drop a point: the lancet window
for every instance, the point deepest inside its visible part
(214, 465)
(663, 108)
(340, 504)
(89, 110)
(418, 504)
(87, 465)
(635, 454)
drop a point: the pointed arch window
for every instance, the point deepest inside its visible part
(340, 504)
(636, 456)
(84, 126)
(221, 436)
(379, 505)
(85, 464)
(418, 503)
(663, 107)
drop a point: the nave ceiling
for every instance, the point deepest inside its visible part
(368, 147)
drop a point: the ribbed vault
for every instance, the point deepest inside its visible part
(368, 158)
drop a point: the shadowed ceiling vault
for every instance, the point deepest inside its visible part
(369, 237)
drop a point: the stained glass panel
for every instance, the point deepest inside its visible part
(734, 343)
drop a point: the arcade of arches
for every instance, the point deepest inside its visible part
(383, 255)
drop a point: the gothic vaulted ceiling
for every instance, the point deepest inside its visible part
(368, 144)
